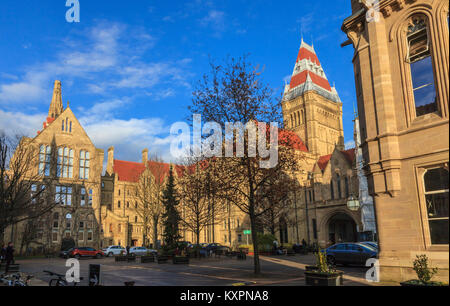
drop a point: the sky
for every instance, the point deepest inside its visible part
(128, 67)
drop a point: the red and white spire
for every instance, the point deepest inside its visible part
(308, 75)
(308, 64)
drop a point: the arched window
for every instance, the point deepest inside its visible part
(65, 163)
(338, 182)
(84, 165)
(45, 156)
(301, 117)
(332, 189)
(437, 201)
(347, 189)
(421, 64)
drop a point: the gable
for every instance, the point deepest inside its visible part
(65, 129)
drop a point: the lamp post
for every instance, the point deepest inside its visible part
(352, 202)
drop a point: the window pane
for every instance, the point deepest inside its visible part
(437, 205)
(423, 86)
(436, 179)
(439, 231)
(87, 155)
(81, 154)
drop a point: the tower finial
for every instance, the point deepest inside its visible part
(56, 106)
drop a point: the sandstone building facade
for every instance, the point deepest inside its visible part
(70, 168)
(401, 64)
(101, 210)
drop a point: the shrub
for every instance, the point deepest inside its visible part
(424, 273)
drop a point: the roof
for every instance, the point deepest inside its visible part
(292, 140)
(324, 160)
(131, 171)
(309, 75)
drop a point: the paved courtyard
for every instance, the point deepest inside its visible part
(276, 271)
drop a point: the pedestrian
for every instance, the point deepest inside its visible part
(2, 253)
(128, 250)
(9, 256)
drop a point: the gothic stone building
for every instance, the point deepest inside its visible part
(401, 65)
(312, 110)
(73, 165)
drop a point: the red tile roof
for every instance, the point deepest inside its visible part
(306, 54)
(289, 138)
(324, 160)
(350, 155)
(131, 171)
(300, 78)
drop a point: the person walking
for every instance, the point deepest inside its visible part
(2, 253)
(128, 250)
(9, 256)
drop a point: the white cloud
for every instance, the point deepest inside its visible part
(349, 144)
(216, 20)
(109, 50)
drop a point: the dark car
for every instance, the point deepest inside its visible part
(350, 253)
(65, 254)
(213, 247)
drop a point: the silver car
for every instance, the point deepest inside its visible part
(114, 250)
(139, 251)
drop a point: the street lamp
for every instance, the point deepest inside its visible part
(353, 203)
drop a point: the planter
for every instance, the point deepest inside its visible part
(241, 256)
(145, 259)
(162, 259)
(180, 260)
(416, 283)
(125, 258)
(314, 278)
(311, 268)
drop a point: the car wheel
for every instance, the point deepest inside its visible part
(110, 254)
(98, 256)
(331, 260)
(77, 256)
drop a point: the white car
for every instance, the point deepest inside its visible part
(139, 251)
(114, 250)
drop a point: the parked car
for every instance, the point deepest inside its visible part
(114, 250)
(65, 254)
(139, 251)
(213, 247)
(350, 253)
(371, 243)
(86, 252)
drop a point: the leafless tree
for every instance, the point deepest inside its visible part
(235, 93)
(24, 193)
(149, 206)
(201, 208)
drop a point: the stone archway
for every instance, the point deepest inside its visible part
(341, 228)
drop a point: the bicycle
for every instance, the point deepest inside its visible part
(59, 281)
(15, 280)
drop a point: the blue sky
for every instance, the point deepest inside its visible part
(129, 66)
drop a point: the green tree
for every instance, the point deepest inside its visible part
(171, 216)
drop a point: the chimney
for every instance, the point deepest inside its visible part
(110, 162)
(145, 156)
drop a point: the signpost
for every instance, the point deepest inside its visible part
(94, 275)
(247, 233)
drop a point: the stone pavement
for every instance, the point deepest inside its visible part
(276, 271)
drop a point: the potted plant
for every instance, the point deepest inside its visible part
(149, 257)
(322, 274)
(424, 274)
(181, 259)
